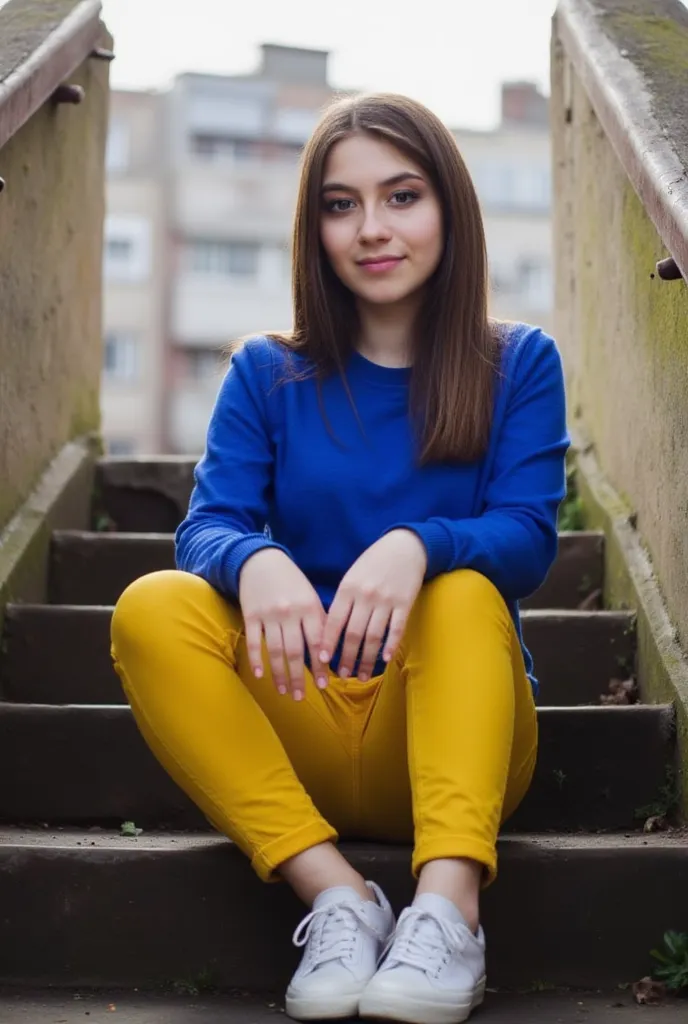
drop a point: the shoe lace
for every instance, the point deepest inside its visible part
(424, 940)
(334, 930)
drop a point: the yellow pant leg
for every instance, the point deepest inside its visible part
(239, 749)
(450, 745)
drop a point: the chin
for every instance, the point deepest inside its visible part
(383, 296)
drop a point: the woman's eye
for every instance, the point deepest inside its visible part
(405, 197)
(338, 205)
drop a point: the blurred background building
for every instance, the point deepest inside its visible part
(201, 191)
(510, 167)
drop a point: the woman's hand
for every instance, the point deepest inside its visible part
(378, 591)
(277, 600)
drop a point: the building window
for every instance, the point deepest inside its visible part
(120, 357)
(120, 446)
(127, 248)
(202, 364)
(117, 149)
(295, 124)
(506, 186)
(238, 259)
(118, 251)
(222, 147)
(535, 281)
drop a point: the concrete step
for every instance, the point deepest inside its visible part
(147, 494)
(96, 909)
(564, 1007)
(597, 767)
(94, 568)
(60, 654)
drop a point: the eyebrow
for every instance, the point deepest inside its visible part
(396, 179)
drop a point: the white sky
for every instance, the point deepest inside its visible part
(450, 54)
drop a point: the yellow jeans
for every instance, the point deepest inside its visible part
(439, 750)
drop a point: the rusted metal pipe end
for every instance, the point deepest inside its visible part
(668, 269)
(69, 94)
(100, 53)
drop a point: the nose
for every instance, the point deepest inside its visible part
(373, 226)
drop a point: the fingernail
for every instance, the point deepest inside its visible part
(324, 657)
(344, 673)
(322, 682)
(258, 673)
(282, 689)
(298, 695)
(363, 676)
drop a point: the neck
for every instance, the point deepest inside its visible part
(386, 334)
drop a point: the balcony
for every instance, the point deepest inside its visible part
(240, 199)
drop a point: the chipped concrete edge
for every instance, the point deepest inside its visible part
(631, 582)
(61, 499)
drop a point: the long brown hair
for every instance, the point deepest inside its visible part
(455, 356)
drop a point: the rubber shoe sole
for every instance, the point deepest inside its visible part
(418, 1011)
(321, 1007)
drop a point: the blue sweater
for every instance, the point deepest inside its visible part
(273, 474)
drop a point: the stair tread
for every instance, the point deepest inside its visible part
(167, 841)
(44, 748)
(60, 653)
(566, 1007)
(91, 566)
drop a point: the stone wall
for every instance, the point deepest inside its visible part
(51, 217)
(623, 331)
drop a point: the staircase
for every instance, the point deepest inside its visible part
(583, 893)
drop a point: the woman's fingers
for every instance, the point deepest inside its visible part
(354, 636)
(313, 625)
(275, 646)
(335, 623)
(373, 641)
(253, 629)
(292, 636)
(397, 625)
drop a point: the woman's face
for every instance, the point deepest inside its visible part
(381, 223)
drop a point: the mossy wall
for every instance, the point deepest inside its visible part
(51, 222)
(622, 330)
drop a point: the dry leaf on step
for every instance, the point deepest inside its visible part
(649, 992)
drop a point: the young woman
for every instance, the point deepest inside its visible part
(340, 654)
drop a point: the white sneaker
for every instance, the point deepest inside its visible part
(344, 936)
(434, 968)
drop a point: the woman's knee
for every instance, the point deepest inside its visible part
(149, 596)
(464, 589)
(155, 602)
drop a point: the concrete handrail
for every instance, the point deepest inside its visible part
(35, 57)
(51, 225)
(632, 104)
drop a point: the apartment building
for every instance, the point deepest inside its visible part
(134, 269)
(201, 192)
(511, 169)
(235, 144)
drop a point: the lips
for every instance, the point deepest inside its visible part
(375, 260)
(379, 264)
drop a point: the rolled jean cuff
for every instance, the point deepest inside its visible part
(266, 861)
(452, 847)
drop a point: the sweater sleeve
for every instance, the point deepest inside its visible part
(513, 542)
(227, 517)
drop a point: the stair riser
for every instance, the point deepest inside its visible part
(596, 767)
(94, 568)
(62, 655)
(140, 918)
(143, 495)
